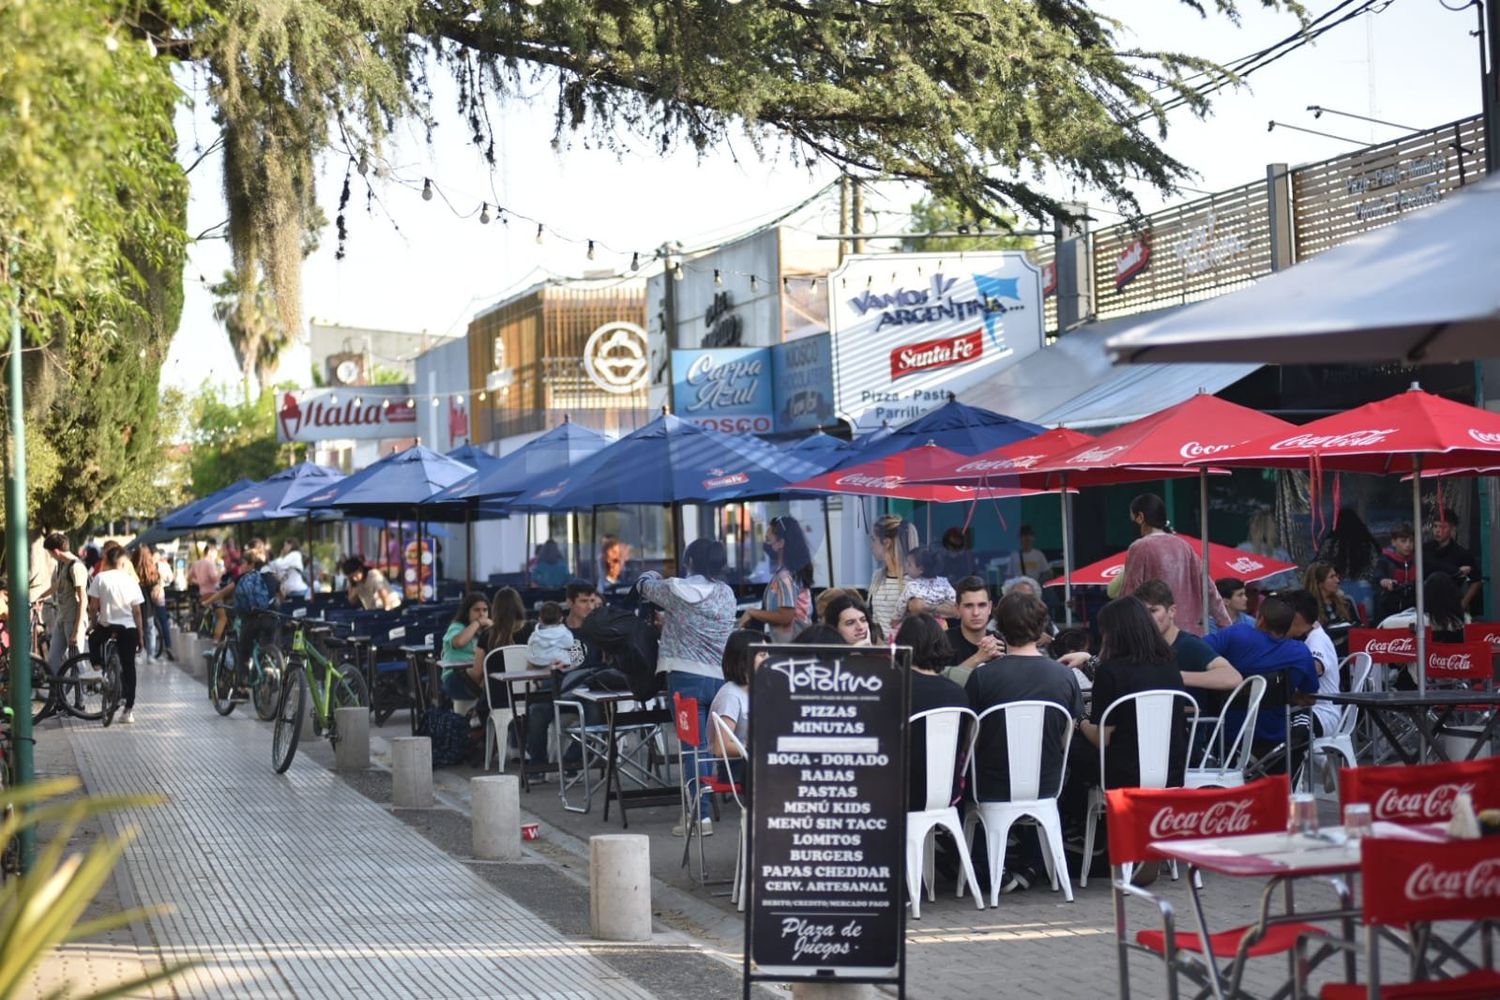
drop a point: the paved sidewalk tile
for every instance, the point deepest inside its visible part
(295, 885)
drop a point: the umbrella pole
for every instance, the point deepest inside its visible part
(469, 549)
(312, 577)
(1416, 521)
(828, 538)
(1203, 538)
(594, 545)
(420, 564)
(1067, 533)
(401, 555)
(526, 561)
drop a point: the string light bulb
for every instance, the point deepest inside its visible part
(410, 402)
(435, 401)
(754, 285)
(359, 402)
(483, 395)
(539, 232)
(458, 400)
(426, 188)
(591, 250)
(718, 278)
(677, 273)
(333, 399)
(635, 261)
(385, 404)
(484, 215)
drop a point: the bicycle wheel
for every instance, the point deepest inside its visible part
(111, 684)
(290, 704)
(80, 688)
(265, 687)
(222, 676)
(43, 694)
(349, 691)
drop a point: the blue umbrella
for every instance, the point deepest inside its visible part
(817, 443)
(472, 454)
(184, 518)
(667, 461)
(391, 487)
(271, 499)
(956, 426)
(485, 492)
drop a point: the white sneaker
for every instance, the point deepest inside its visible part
(128, 716)
(705, 828)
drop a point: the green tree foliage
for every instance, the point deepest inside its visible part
(945, 215)
(969, 97)
(255, 332)
(234, 440)
(91, 239)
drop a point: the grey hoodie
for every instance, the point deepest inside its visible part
(699, 616)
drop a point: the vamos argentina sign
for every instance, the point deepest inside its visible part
(368, 411)
(827, 816)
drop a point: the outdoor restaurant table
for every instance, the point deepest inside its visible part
(615, 718)
(1381, 705)
(1280, 858)
(529, 679)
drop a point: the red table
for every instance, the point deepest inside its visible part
(1281, 858)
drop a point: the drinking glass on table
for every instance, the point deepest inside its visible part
(1302, 816)
(1358, 822)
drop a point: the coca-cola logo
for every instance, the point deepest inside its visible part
(1113, 571)
(1218, 820)
(1097, 454)
(1429, 882)
(1194, 449)
(870, 482)
(1243, 565)
(1404, 646)
(1433, 803)
(1352, 439)
(993, 464)
(1457, 663)
(1485, 437)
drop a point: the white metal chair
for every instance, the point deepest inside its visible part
(511, 659)
(949, 749)
(1154, 711)
(1361, 669)
(716, 785)
(1025, 736)
(1224, 766)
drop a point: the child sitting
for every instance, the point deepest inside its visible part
(925, 590)
(552, 644)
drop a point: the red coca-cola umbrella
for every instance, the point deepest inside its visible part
(1414, 432)
(1222, 561)
(995, 467)
(901, 477)
(1156, 447)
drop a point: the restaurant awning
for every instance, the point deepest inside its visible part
(1071, 382)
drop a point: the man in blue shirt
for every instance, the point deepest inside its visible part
(1267, 648)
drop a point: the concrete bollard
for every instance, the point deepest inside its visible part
(620, 887)
(495, 801)
(198, 652)
(833, 991)
(411, 769)
(353, 750)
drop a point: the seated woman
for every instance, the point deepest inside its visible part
(731, 704)
(851, 618)
(929, 689)
(1443, 604)
(463, 673)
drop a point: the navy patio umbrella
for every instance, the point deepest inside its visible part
(472, 454)
(956, 426)
(391, 487)
(271, 499)
(486, 492)
(817, 443)
(184, 518)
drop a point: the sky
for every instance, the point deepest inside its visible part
(421, 265)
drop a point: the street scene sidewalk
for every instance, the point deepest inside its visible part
(297, 885)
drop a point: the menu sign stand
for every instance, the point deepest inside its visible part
(827, 831)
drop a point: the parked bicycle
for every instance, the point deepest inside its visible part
(261, 676)
(311, 671)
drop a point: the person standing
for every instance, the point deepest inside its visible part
(787, 604)
(1160, 555)
(891, 541)
(613, 558)
(153, 597)
(205, 573)
(115, 603)
(290, 570)
(69, 591)
(698, 615)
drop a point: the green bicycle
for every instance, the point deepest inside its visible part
(262, 675)
(312, 671)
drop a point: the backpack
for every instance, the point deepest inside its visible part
(449, 733)
(629, 641)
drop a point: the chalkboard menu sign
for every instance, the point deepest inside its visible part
(828, 816)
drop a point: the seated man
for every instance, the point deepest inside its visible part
(582, 599)
(1024, 673)
(1236, 599)
(1323, 720)
(1268, 647)
(368, 588)
(1201, 666)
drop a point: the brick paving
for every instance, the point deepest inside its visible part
(296, 885)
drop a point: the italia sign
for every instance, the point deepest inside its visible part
(365, 412)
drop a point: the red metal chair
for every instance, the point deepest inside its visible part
(1412, 794)
(685, 716)
(1409, 884)
(1139, 817)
